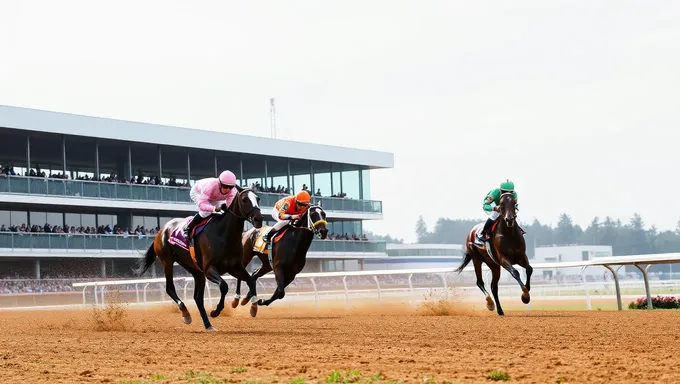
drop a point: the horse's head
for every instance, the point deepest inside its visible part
(315, 220)
(507, 208)
(246, 205)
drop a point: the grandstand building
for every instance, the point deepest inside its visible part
(81, 196)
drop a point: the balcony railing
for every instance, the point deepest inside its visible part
(75, 242)
(152, 193)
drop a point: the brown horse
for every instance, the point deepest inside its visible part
(218, 250)
(506, 248)
(289, 252)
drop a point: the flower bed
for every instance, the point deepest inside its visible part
(658, 302)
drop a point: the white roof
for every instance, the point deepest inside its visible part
(104, 128)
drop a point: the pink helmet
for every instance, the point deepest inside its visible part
(227, 178)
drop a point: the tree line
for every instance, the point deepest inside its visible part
(629, 238)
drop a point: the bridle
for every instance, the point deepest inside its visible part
(248, 216)
(312, 226)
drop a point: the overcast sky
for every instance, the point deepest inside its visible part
(577, 101)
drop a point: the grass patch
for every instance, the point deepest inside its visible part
(498, 376)
(237, 370)
(202, 378)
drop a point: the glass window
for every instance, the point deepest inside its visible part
(350, 184)
(72, 220)
(18, 217)
(38, 218)
(4, 218)
(301, 172)
(366, 184)
(322, 179)
(277, 172)
(55, 219)
(254, 171)
(105, 220)
(88, 220)
(164, 220)
(150, 222)
(337, 184)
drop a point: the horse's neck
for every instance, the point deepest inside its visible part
(231, 223)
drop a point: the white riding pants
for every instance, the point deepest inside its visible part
(279, 223)
(493, 215)
(194, 195)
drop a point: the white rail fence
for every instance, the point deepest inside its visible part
(613, 264)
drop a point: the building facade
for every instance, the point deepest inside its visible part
(89, 191)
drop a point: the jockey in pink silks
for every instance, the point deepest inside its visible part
(209, 194)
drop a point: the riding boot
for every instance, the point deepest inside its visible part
(191, 226)
(269, 235)
(487, 227)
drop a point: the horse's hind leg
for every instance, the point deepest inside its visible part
(247, 258)
(214, 276)
(264, 269)
(237, 295)
(239, 272)
(199, 289)
(480, 283)
(280, 291)
(170, 289)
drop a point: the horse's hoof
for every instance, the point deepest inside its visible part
(234, 303)
(186, 319)
(245, 300)
(214, 313)
(211, 329)
(253, 310)
(490, 304)
(526, 299)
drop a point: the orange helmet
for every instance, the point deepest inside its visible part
(303, 197)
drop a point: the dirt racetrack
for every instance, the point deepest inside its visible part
(395, 343)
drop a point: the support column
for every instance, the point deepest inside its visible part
(160, 164)
(240, 169)
(188, 167)
(63, 151)
(28, 155)
(97, 173)
(217, 172)
(37, 269)
(130, 173)
(103, 268)
(289, 185)
(266, 174)
(361, 184)
(311, 178)
(332, 191)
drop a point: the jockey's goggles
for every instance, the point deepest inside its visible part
(300, 203)
(226, 186)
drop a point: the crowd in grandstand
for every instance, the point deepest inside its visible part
(147, 180)
(118, 230)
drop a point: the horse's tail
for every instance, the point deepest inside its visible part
(466, 261)
(147, 260)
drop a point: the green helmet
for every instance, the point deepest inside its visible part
(507, 186)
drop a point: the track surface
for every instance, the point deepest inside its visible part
(153, 346)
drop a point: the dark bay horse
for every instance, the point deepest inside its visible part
(507, 248)
(217, 250)
(289, 253)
